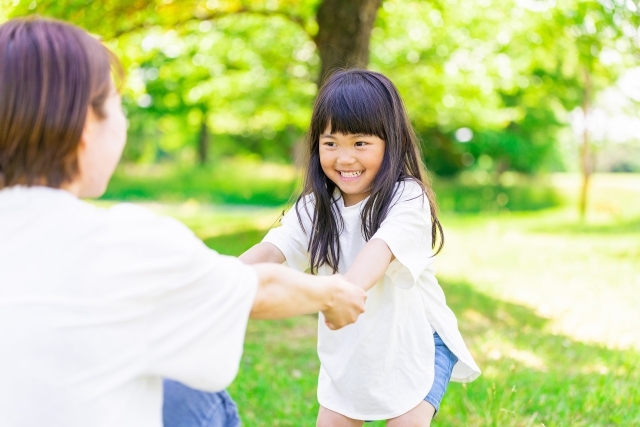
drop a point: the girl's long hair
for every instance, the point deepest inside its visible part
(360, 102)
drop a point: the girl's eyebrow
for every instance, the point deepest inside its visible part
(351, 135)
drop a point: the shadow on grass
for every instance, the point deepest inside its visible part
(531, 376)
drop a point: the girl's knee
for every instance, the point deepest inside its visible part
(420, 416)
(329, 418)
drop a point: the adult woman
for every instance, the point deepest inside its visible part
(99, 305)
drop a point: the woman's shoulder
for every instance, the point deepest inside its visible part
(139, 225)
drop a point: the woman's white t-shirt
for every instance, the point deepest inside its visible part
(383, 365)
(98, 305)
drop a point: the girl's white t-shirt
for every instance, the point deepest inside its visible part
(383, 365)
(98, 305)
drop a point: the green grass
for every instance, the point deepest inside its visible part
(547, 304)
(531, 376)
(237, 181)
(248, 182)
(472, 194)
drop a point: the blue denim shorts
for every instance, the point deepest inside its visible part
(187, 407)
(444, 362)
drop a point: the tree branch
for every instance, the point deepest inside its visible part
(298, 20)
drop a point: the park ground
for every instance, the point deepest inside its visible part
(547, 303)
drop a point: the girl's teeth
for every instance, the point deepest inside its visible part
(350, 174)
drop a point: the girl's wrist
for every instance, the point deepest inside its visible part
(327, 288)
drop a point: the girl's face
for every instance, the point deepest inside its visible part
(351, 162)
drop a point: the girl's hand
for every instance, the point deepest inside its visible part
(346, 304)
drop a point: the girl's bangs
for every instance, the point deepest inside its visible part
(353, 108)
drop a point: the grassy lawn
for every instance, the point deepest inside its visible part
(547, 304)
(246, 181)
(236, 181)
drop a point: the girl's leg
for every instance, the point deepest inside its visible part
(420, 416)
(328, 418)
(186, 407)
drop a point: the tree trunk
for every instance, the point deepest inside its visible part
(586, 157)
(344, 30)
(203, 142)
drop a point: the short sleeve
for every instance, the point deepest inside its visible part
(198, 301)
(291, 238)
(407, 232)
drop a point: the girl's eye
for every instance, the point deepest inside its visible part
(361, 144)
(329, 143)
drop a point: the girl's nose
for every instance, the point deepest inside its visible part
(345, 158)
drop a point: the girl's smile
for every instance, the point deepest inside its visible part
(351, 161)
(349, 175)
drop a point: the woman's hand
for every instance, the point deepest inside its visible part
(346, 305)
(283, 292)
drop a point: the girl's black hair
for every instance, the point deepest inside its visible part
(360, 102)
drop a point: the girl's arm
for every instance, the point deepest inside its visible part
(262, 252)
(367, 269)
(370, 264)
(283, 292)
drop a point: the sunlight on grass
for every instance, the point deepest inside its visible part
(611, 197)
(584, 276)
(216, 220)
(587, 282)
(209, 221)
(497, 349)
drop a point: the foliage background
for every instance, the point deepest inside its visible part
(218, 97)
(490, 85)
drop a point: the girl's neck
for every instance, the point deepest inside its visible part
(353, 199)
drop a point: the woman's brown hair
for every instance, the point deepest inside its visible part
(50, 74)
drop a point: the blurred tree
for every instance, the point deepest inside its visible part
(507, 71)
(203, 141)
(344, 30)
(479, 77)
(183, 45)
(597, 36)
(197, 66)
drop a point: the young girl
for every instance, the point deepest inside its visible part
(367, 212)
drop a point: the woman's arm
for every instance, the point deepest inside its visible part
(262, 252)
(283, 292)
(370, 264)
